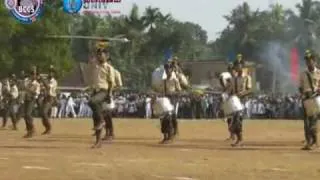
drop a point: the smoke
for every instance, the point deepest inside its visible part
(275, 56)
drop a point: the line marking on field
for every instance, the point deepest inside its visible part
(36, 167)
(3, 158)
(29, 154)
(185, 150)
(278, 169)
(93, 164)
(133, 160)
(184, 178)
(177, 178)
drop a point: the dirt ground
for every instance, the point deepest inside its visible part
(271, 151)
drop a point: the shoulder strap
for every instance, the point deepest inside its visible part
(310, 81)
(165, 87)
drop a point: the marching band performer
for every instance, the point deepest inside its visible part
(108, 113)
(183, 84)
(1, 104)
(13, 101)
(32, 93)
(224, 79)
(239, 60)
(5, 102)
(309, 88)
(102, 81)
(240, 86)
(22, 91)
(171, 88)
(49, 98)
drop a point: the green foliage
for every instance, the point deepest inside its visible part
(150, 33)
(248, 29)
(24, 45)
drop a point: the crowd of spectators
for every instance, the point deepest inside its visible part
(207, 106)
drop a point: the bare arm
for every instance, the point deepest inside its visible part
(248, 87)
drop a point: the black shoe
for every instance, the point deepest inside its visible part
(99, 126)
(107, 138)
(97, 145)
(306, 148)
(46, 132)
(237, 144)
(28, 135)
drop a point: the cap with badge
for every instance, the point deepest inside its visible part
(308, 55)
(102, 46)
(239, 60)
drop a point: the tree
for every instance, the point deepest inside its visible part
(27, 45)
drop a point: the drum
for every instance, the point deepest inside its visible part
(158, 75)
(232, 105)
(225, 76)
(108, 107)
(224, 97)
(162, 106)
(312, 106)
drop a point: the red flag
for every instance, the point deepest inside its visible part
(294, 65)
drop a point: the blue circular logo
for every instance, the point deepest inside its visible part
(25, 11)
(72, 6)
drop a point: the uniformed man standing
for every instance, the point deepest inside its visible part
(22, 91)
(108, 113)
(32, 93)
(13, 101)
(224, 79)
(239, 60)
(183, 84)
(50, 95)
(5, 102)
(309, 88)
(241, 86)
(102, 84)
(172, 87)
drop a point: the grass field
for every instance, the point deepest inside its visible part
(271, 151)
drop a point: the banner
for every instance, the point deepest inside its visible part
(294, 65)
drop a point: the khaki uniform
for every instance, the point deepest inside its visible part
(102, 82)
(0, 91)
(172, 85)
(169, 123)
(32, 93)
(308, 87)
(108, 115)
(5, 103)
(50, 94)
(118, 79)
(304, 83)
(22, 92)
(239, 85)
(102, 76)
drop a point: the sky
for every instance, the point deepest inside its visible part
(207, 13)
